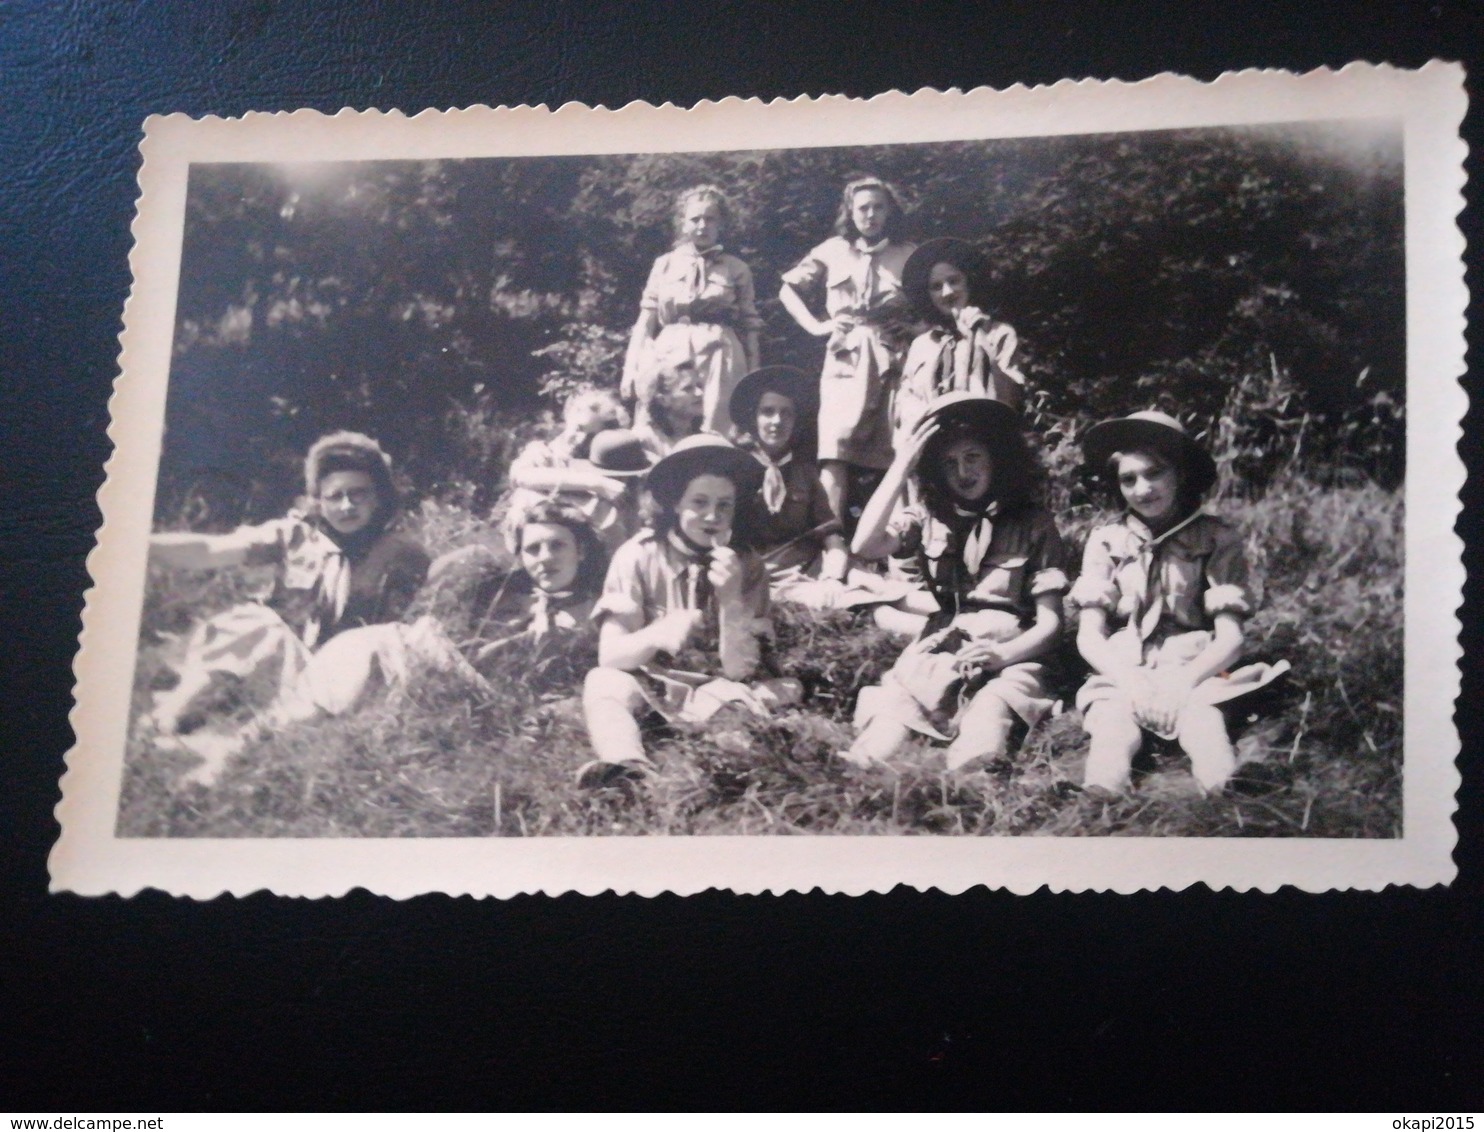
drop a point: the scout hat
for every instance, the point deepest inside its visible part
(1154, 430)
(793, 383)
(702, 454)
(918, 270)
(617, 453)
(974, 413)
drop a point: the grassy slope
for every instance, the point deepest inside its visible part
(432, 762)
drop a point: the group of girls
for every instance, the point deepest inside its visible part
(659, 542)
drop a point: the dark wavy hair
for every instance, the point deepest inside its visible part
(1187, 500)
(594, 565)
(845, 226)
(1014, 485)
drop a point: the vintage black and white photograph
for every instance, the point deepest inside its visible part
(1011, 485)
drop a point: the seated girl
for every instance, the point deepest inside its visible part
(992, 561)
(683, 614)
(564, 466)
(671, 399)
(338, 566)
(964, 349)
(1163, 594)
(793, 528)
(539, 616)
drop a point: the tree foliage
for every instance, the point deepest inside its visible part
(1252, 280)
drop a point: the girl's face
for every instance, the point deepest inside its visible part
(550, 555)
(700, 223)
(1149, 486)
(776, 418)
(681, 393)
(591, 415)
(968, 469)
(948, 288)
(347, 501)
(869, 211)
(705, 511)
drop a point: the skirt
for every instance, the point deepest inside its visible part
(856, 388)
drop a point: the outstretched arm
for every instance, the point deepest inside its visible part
(188, 551)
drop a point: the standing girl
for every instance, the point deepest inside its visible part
(992, 561)
(1163, 594)
(699, 301)
(683, 613)
(866, 325)
(964, 349)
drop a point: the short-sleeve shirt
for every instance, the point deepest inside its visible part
(650, 576)
(714, 286)
(1200, 568)
(843, 268)
(1025, 559)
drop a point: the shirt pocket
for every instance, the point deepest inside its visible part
(839, 282)
(1001, 578)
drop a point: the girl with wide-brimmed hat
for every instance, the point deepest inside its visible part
(1162, 596)
(965, 348)
(867, 327)
(699, 302)
(993, 566)
(683, 611)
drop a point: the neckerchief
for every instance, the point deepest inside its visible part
(868, 277)
(700, 265)
(775, 490)
(1149, 598)
(980, 535)
(546, 610)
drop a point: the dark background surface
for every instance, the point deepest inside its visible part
(1161, 1000)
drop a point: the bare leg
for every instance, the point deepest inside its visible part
(1116, 739)
(984, 730)
(834, 476)
(1202, 735)
(895, 620)
(611, 704)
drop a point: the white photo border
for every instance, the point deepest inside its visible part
(90, 858)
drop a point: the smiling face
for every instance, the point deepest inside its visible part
(776, 419)
(1149, 485)
(705, 511)
(968, 469)
(869, 211)
(948, 287)
(700, 222)
(347, 500)
(550, 555)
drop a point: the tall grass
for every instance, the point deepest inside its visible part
(1322, 757)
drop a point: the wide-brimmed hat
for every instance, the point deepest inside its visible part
(974, 412)
(1151, 429)
(698, 455)
(617, 453)
(945, 249)
(790, 381)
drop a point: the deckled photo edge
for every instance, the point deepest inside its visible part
(89, 858)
